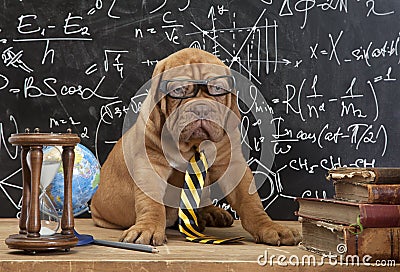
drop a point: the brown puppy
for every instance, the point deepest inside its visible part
(133, 194)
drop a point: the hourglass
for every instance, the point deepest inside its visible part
(32, 237)
(49, 219)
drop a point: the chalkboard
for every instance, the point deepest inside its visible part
(327, 69)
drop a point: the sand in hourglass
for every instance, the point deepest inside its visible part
(49, 170)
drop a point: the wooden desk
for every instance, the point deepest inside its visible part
(177, 255)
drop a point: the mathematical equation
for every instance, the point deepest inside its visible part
(325, 74)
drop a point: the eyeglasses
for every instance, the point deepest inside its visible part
(187, 88)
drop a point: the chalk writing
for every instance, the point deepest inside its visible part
(3, 140)
(14, 59)
(119, 66)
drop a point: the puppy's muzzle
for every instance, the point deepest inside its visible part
(201, 110)
(201, 120)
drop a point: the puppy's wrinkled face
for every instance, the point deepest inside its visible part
(197, 101)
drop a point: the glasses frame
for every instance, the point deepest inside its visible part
(204, 82)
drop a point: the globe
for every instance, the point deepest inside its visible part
(85, 179)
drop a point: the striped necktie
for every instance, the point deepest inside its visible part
(190, 202)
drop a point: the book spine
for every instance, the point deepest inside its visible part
(380, 243)
(386, 175)
(384, 194)
(378, 216)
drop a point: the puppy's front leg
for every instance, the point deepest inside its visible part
(255, 220)
(150, 222)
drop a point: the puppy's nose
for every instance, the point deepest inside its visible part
(201, 110)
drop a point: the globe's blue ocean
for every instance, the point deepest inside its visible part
(85, 180)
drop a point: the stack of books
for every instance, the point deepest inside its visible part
(362, 220)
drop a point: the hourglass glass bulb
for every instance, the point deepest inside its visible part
(48, 213)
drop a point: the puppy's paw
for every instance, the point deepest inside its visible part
(276, 234)
(149, 234)
(212, 216)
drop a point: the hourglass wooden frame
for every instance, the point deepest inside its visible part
(29, 238)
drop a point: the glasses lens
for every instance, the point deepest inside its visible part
(180, 89)
(220, 85)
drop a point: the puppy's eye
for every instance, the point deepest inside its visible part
(180, 90)
(218, 87)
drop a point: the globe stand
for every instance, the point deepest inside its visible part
(29, 238)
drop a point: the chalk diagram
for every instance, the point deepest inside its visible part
(6, 186)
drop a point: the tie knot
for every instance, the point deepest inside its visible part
(198, 163)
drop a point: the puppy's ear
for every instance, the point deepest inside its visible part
(156, 79)
(233, 116)
(157, 113)
(234, 105)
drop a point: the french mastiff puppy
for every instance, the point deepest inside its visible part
(186, 106)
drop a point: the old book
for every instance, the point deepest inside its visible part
(347, 213)
(335, 239)
(367, 193)
(384, 175)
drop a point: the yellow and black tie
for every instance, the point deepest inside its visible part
(190, 202)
